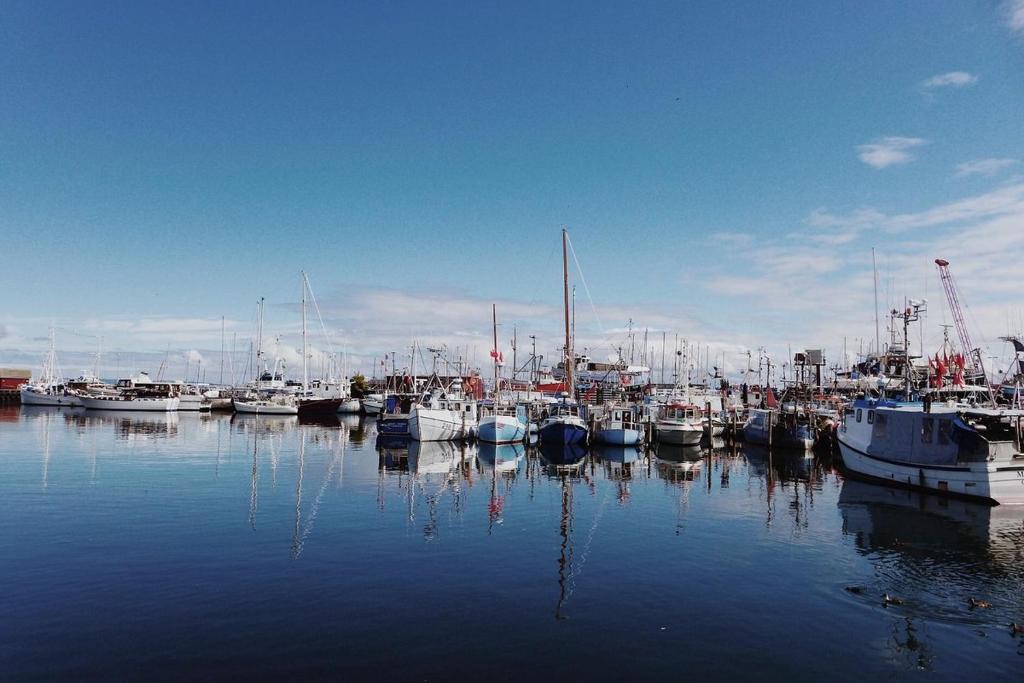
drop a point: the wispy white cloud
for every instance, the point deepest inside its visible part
(888, 151)
(986, 167)
(1007, 200)
(952, 79)
(1015, 15)
(731, 238)
(978, 234)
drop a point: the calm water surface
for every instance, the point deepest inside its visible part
(153, 546)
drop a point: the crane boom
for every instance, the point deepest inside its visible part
(949, 285)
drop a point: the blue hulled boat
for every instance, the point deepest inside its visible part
(564, 424)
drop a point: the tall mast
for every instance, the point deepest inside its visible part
(494, 323)
(565, 296)
(222, 351)
(874, 269)
(257, 370)
(305, 365)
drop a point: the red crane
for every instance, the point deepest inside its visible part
(949, 285)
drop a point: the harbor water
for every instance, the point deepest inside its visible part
(166, 546)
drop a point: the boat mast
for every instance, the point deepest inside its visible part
(874, 270)
(565, 297)
(257, 371)
(222, 351)
(305, 365)
(494, 323)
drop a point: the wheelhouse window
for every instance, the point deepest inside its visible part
(880, 425)
(945, 431)
(871, 416)
(859, 414)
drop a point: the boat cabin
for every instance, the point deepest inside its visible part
(944, 435)
(680, 411)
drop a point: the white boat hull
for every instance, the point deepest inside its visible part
(501, 429)
(191, 403)
(350, 406)
(39, 398)
(159, 405)
(265, 408)
(679, 434)
(1004, 485)
(434, 424)
(373, 405)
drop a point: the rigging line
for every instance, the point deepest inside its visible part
(319, 317)
(583, 279)
(605, 336)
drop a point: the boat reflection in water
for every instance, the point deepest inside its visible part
(129, 425)
(499, 465)
(246, 422)
(501, 458)
(677, 463)
(557, 455)
(564, 462)
(438, 457)
(936, 552)
(620, 464)
(782, 464)
(427, 470)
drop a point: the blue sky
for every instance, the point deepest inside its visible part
(723, 168)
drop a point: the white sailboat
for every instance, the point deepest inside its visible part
(268, 399)
(50, 389)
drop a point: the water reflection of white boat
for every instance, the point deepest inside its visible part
(434, 457)
(892, 519)
(500, 457)
(617, 454)
(349, 420)
(937, 552)
(131, 423)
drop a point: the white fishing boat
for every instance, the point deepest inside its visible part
(50, 389)
(501, 422)
(46, 394)
(680, 424)
(949, 448)
(444, 416)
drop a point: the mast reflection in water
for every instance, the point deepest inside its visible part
(206, 545)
